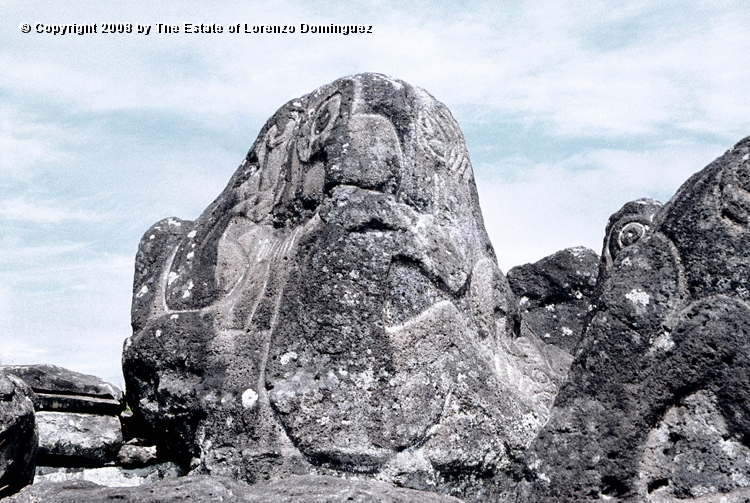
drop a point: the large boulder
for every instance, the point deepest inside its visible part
(75, 439)
(554, 294)
(657, 402)
(205, 489)
(59, 389)
(339, 306)
(18, 435)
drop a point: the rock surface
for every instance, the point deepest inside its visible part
(18, 435)
(136, 455)
(339, 306)
(204, 489)
(60, 389)
(109, 476)
(656, 403)
(554, 294)
(74, 439)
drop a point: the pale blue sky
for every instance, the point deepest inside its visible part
(569, 109)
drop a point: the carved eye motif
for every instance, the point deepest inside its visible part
(322, 120)
(631, 233)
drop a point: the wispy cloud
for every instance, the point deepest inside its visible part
(20, 209)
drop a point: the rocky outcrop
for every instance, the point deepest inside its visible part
(74, 439)
(76, 415)
(203, 489)
(18, 435)
(339, 306)
(656, 406)
(59, 389)
(554, 294)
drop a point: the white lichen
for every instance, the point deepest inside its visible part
(663, 342)
(249, 398)
(287, 357)
(638, 297)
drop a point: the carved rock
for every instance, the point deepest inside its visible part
(667, 348)
(339, 306)
(554, 294)
(18, 435)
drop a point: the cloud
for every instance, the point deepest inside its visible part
(20, 209)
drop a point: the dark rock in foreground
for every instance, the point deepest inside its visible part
(339, 307)
(665, 358)
(63, 390)
(554, 294)
(18, 435)
(204, 489)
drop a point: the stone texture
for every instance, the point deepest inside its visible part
(656, 403)
(75, 439)
(204, 489)
(554, 294)
(63, 390)
(339, 306)
(136, 455)
(110, 476)
(18, 435)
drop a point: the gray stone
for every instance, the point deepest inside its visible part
(18, 435)
(60, 389)
(339, 307)
(73, 439)
(136, 455)
(554, 294)
(109, 476)
(204, 489)
(667, 348)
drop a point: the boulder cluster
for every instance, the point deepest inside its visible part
(75, 428)
(334, 327)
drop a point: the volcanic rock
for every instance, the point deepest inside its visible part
(136, 455)
(109, 476)
(59, 389)
(75, 439)
(339, 306)
(204, 489)
(554, 294)
(18, 435)
(668, 347)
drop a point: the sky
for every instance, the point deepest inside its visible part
(569, 110)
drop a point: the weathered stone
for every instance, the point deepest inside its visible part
(668, 346)
(18, 435)
(110, 476)
(60, 389)
(554, 294)
(204, 489)
(73, 439)
(131, 456)
(338, 306)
